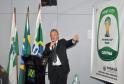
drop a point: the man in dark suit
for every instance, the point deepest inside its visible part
(58, 65)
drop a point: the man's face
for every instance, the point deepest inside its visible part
(54, 36)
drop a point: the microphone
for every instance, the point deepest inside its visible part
(53, 45)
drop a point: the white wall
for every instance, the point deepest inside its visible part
(74, 17)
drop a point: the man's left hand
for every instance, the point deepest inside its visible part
(75, 38)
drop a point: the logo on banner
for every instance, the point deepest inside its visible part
(108, 34)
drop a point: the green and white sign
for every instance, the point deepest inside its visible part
(107, 49)
(108, 34)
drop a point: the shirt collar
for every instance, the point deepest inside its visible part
(56, 41)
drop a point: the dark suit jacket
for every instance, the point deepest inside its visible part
(62, 45)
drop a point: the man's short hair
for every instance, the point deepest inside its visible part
(54, 30)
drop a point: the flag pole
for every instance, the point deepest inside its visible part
(27, 16)
(39, 7)
(15, 15)
(16, 56)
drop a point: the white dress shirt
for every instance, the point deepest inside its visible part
(58, 62)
